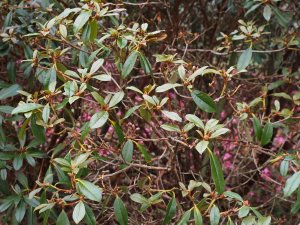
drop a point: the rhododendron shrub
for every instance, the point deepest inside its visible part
(167, 112)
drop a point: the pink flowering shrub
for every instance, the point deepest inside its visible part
(155, 112)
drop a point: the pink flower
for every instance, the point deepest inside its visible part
(266, 174)
(227, 156)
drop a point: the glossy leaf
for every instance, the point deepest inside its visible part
(171, 211)
(204, 102)
(129, 64)
(244, 59)
(267, 133)
(217, 173)
(78, 212)
(120, 211)
(291, 184)
(127, 151)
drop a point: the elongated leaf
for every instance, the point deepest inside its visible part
(283, 18)
(197, 216)
(171, 210)
(170, 127)
(201, 146)
(96, 66)
(267, 12)
(257, 128)
(62, 219)
(204, 102)
(244, 211)
(90, 190)
(233, 195)
(145, 64)
(98, 119)
(291, 184)
(217, 173)
(214, 215)
(10, 91)
(244, 59)
(37, 130)
(144, 152)
(185, 218)
(20, 211)
(120, 211)
(116, 99)
(78, 212)
(127, 151)
(267, 134)
(129, 64)
(81, 20)
(136, 197)
(166, 87)
(172, 115)
(89, 217)
(131, 111)
(26, 107)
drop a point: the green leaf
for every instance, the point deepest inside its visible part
(283, 18)
(267, 133)
(197, 216)
(257, 128)
(18, 162)
(267, 12)
(9, 91)
(233, 195)
(20, 211)
(26, 107)
(145, 64)
(171, 210)
(120, 211)
(89, 217)
(172, 115)
(195, 120)
(170, 127)
(214, 215)
(249, 220)
(98, 98)
(219, 132)
(185, 218)
(204, 102)
(129, 64)
(96, 66)
(46, 113)
(94, 30)
(131, 111)
(144, 152)
(201, 146)
(127, 151)
(264, 220)
(37, 130)
(81, 20)
(62, 219)
(121, 42)
(244, 211)
(136, 197)
(296, 206)
(217, 173)
(78, 212)
(166, 87)
(98, 119)
(244, 59)
(291, 184)
(90, 190)
(11, 71)
(284, 167)
(116, 99)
